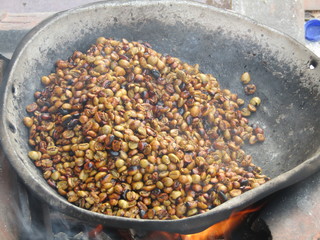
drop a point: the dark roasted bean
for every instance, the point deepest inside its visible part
(63, 111)
(114, 153)
(222, 196)
(155, 73)
(250, 89)
(71, 124)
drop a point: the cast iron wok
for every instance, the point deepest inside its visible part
(224, 44)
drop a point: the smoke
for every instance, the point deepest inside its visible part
(23, 216)
(38, 221)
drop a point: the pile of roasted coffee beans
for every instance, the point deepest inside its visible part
(126, 131)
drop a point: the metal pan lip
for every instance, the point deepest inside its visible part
(187, 225)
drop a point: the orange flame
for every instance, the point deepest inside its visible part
(222, 228)
(216, 231)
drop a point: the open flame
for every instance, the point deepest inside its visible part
(216, 231)
(222, 228)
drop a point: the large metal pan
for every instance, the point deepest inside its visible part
(224, 44)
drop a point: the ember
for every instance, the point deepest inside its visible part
(94, 232)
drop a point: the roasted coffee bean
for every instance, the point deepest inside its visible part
(71, 124)
(155, 73)
(125, 131)
(63, 111)
(114, 153)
